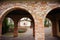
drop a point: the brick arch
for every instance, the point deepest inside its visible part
(53, 9)
(4, 13)
(52, 15)
(4, 24)
(11, 9)
(32, 23)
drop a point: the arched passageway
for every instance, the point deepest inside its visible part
(16, 14)
(48, 27)
(26, 25)
(7, 27)
(54, 17)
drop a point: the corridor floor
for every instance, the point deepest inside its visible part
(28, 38)
(28, 35)
(17, 38)
(48, 34)
(52, 38)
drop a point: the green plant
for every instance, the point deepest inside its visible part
(21, 31)
(46, 23)
(5, 26)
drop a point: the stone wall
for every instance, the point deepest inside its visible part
(38, 10)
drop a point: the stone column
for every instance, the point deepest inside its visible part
(15, 28)
(0, 28)
(54, 28)
(34, 32)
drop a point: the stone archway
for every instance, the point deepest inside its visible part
(53, 15)
(27, 22)
(7, 26)
(16, 14)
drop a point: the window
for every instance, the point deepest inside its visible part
(25, 21)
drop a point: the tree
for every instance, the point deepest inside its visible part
(46, 23)
(5, 26)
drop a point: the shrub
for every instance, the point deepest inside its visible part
(22, 30)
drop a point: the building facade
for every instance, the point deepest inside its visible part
(39, 10)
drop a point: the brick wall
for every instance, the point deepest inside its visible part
(38, 10)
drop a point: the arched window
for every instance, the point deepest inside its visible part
(25, 21)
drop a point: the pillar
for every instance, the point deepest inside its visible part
(54, 28)
(15, 28)
(34, 32)
(0, 29)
